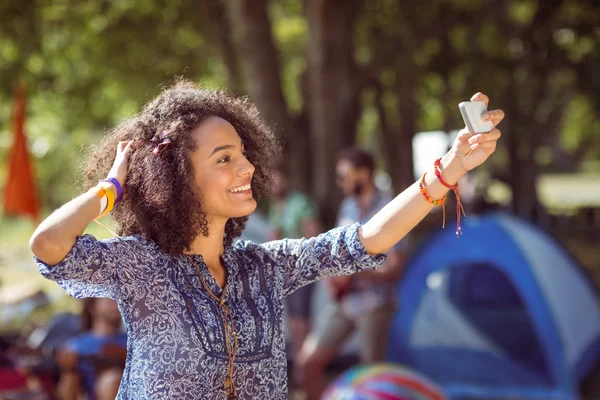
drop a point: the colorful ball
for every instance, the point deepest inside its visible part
(382, 382)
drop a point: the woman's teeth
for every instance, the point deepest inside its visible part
(240, 189)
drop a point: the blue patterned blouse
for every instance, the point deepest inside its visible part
(176, 343)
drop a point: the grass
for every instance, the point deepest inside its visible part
(20, 278)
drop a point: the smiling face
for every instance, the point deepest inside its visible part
(222, 174)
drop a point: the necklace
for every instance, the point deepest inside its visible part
(231, 343)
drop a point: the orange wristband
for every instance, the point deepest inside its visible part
(110, 196)
(98, 191)
(101, 193)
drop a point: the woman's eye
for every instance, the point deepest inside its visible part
(223, 159)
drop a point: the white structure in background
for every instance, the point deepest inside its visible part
(428, 147)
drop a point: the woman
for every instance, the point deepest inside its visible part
(205, 317)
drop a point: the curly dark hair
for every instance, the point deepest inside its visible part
(159, 201)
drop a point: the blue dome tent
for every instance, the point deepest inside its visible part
(502, 312)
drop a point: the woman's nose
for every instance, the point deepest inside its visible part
(246, 168)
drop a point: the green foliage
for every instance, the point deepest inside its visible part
(581, 126)
(89, 64)
(290, 35)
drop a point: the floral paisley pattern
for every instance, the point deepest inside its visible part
(176, 343)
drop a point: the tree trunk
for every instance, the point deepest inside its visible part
(222, 34)
(334, 105)
(522, 165)
(396, 141)
(388, 139)
(260, 66)
(407, 110)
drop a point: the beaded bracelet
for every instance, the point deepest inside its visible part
(459, 207)
(431, 200)
(426, 195)
(436, 167)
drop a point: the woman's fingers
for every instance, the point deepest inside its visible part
(491, 136)
(124, 146)
(464, 135)
(488, 147)
(129, 147)
(496, 116)
(480, 97)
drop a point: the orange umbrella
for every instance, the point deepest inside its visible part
(20, 197)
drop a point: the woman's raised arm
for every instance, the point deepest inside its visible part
(400, 216)
(56, 235)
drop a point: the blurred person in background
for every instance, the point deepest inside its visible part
(365, 301)
(92, 362)
(293, 215)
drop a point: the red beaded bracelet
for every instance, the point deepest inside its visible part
(459, 207)
(436, 167)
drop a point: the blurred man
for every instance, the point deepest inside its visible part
(364, 301)
(92, 362)
(293, 215)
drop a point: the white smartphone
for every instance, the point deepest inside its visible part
(471, 112)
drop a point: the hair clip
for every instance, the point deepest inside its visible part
(158, 142)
